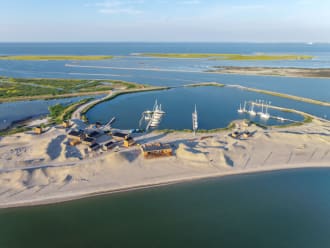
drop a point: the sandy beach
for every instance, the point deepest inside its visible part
(274, 71)
(42, 169)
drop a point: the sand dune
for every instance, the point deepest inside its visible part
(192, 155)
(42, 172)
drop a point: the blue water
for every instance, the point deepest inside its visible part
(128, 67)
(217, 107)
(175, 72)
(15, 111)
(126, 48)
(288, 209)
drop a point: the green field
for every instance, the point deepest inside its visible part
(56, 57)
(12, 89)
(223, 56)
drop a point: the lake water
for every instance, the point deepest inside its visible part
(275, 210)
(217, 107)
(15, 111)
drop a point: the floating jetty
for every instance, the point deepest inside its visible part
(263, 113)
(153, 117)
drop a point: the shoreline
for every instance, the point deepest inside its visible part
(57, 178)
(107, 192)
(291, 72)
(281, 95)
(51, 97)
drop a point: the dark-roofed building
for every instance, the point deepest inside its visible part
(94, 147)
(88, 141)
(78, 135)
(120, 136)
(94, 134)
(108, 146)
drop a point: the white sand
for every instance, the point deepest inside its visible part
(35, 169)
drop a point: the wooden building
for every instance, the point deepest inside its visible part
(66, 124)
(129, 142)
(74, 142)
(38, 130)
(235, 134)
(246, 134)
(156, 150)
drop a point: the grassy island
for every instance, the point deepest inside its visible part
(225, 56)
(56, 57)
(15, 89)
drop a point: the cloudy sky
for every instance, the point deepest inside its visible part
(165, 20)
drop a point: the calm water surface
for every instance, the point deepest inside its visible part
(172, 72)
(274, 210)
(169, 71)
(15, 111)
(217, 107)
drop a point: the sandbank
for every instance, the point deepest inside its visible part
(43, 169)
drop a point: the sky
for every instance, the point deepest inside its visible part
(165, 20)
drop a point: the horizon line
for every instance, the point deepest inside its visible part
(259, 42)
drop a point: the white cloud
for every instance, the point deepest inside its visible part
(118, 6)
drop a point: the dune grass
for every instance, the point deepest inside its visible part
(56, 57)
(225, 56)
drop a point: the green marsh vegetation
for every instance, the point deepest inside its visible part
(14, 89)
(59, 113)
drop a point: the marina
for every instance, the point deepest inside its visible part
(264, 111)
(128, 109)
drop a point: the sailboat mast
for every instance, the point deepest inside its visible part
(195, 120)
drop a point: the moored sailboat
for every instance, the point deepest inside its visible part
(195, 120)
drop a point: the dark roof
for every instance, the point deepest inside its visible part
(76, 133)
(109, 143)
(155, 147)
(95, 146)
(88, 139)
(121, 135)
(93, 134)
